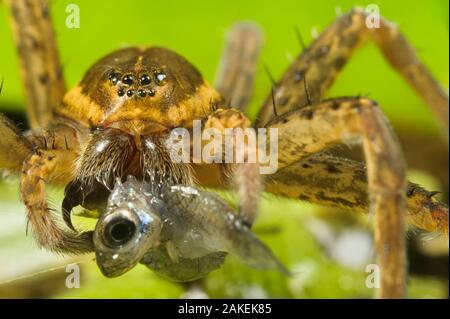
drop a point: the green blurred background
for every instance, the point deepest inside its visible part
(305, 237)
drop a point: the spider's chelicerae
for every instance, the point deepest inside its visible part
(114, 122)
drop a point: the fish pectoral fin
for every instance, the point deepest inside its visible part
(255, 253)
(172, 251)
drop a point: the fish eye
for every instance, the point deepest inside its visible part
(119, 231)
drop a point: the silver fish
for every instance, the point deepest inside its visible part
(130, 227)
(180, 232)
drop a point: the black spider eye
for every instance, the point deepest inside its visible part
(142, 93)
(151, 92)
(130, 93)
(114, 77)
(128, 79)
(121, 92)
(145, 79)
(160, 78)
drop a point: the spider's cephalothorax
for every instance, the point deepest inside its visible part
(139, 91)
(116, 120)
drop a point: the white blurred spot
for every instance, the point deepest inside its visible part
(195, 293)
(353, 249)
(254, 292)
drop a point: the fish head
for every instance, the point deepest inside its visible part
(129, 228)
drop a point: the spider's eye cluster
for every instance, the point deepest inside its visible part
(140, 85)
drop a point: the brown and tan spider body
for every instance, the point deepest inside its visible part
(114, 123)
